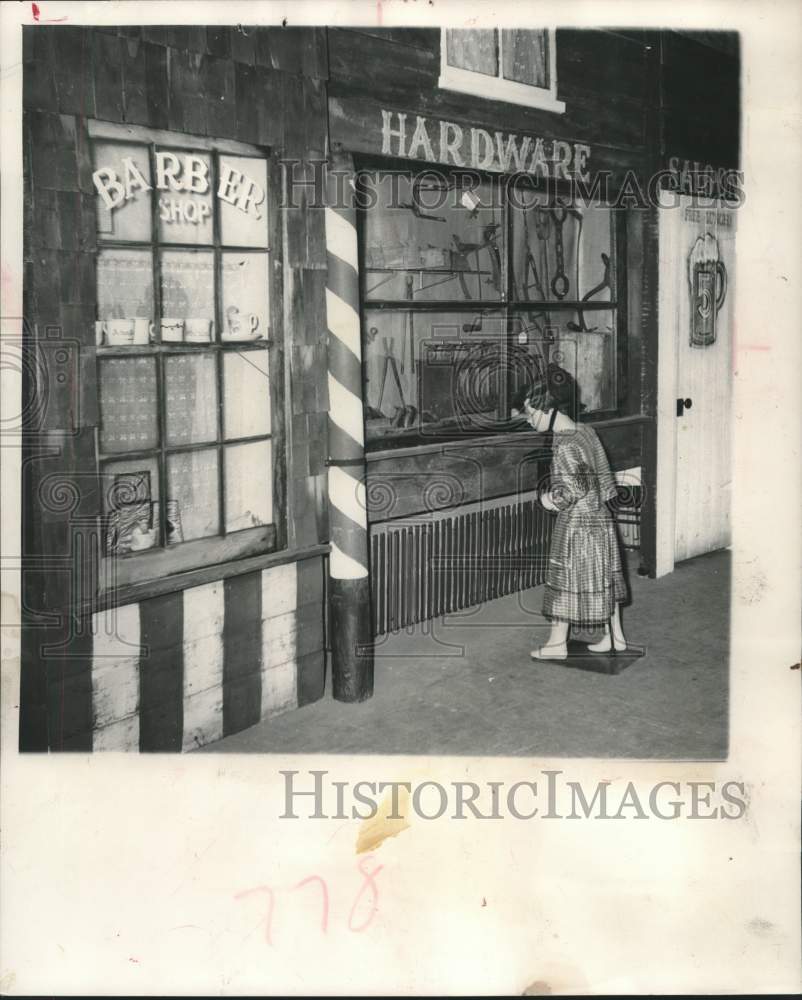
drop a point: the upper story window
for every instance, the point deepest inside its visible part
(186, 441)
(503, 64)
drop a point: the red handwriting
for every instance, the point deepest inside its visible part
(374, 890)
(49, 20)
(270, 907)
(368, 886)
(324, 924)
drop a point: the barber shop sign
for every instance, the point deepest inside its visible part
(182, 177)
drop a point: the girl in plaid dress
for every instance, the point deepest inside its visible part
(585, 582)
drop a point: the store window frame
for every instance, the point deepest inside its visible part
(477, 84)
(507, 304)
(136, 570)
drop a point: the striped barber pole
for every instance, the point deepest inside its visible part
(349, 584)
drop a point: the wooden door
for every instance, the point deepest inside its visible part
(705, 276)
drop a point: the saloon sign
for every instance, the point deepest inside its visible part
(185, 174)
(417, 138)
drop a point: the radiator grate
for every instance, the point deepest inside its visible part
(426, 566)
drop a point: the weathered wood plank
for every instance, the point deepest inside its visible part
(38, 78)
(135, 81)
(72, 66)
(122, 736)
(279, 688)
(107, 62)
(203, 611)
(220, 92)
(187, 108)
(355, 124)
(311, 677)
(203, 664)
(203, 718)
(157, 93)
(407, 78)
(280, 590)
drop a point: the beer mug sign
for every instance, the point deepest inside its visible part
(708, 285)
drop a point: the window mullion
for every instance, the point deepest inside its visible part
(218, 316)
(161, 402)
(502, 409)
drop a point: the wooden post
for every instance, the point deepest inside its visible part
(349, 582)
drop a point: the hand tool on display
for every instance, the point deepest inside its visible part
(460, 264)
(415, 206)
(489, 243)
(530, 265)
(559, 283)
(407, 338)
(543, 231)
(581, 326)
(390, 362)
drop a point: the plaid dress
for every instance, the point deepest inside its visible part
(584, 578)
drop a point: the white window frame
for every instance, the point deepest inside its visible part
(467, 81)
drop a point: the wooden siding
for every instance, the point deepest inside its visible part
(257, 85)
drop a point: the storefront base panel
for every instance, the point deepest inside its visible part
(181, 670)
(432, 564)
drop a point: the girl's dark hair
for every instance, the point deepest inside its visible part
(557, 390)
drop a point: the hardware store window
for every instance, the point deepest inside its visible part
(469, 288)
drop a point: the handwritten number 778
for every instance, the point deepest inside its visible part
(356, 926)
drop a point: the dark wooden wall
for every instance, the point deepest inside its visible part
(700, 97)
(257, 85)
(601, 77)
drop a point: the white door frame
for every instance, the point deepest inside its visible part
(667, 337)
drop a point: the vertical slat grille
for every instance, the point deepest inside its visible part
(427, 566)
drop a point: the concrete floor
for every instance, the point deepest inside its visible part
(466, 685)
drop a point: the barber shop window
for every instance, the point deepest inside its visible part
(186, 449)
(514, 65)
(470, 289)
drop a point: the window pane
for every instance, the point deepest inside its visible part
(451, 249)
(246, 393)
(122, 181)
(190, 389)
(130, 491)
(124, 294)
(528, 353)
(249, 485)
(192, 495)
(473, 50)
(245, 297)
(561, 254)
(187, 296)
(128, 404)
(243, 207)
(525, 57)
(443, 376)
(588, 356)
(185, 196)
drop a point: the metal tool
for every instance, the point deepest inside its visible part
(390, 362)
(530, 265)
(581, 327)
(489, 243)
(415, 206)
(559, 283)
(410, 292)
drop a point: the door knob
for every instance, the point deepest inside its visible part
(682, 405)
